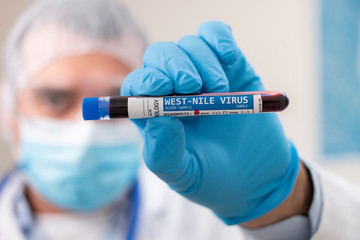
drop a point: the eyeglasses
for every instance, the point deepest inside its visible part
(63, 101)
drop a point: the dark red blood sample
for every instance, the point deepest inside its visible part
(274, 101)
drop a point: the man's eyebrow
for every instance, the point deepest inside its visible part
(54, 91)
(113, 92)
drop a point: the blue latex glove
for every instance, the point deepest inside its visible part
(240, 166)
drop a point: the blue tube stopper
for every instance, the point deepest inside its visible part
(90, 109)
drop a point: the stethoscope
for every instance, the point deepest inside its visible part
(134, 212)
(134, 198)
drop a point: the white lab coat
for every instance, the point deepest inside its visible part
(166, 215)
(341, 208)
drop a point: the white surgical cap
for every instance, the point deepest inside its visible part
(54, 29)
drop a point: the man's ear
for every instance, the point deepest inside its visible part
(8, 121)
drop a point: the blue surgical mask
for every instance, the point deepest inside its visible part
(79, 166)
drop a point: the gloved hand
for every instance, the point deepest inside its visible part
(240, 166)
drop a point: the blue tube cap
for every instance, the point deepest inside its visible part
(90, 109)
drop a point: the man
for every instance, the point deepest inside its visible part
(82, 180)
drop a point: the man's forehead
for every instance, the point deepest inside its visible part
(89, 69)
(78, 81)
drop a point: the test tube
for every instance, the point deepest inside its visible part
(134, 107)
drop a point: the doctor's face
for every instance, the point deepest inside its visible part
(57, 91)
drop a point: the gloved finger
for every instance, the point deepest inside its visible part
(240, 74)
(206, 63)
(168, 58)
(164, 143)
(147, 81)
(219, 37)
(165, 155)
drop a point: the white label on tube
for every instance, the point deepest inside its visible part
(147, 107)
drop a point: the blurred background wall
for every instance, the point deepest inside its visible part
(282, 40)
